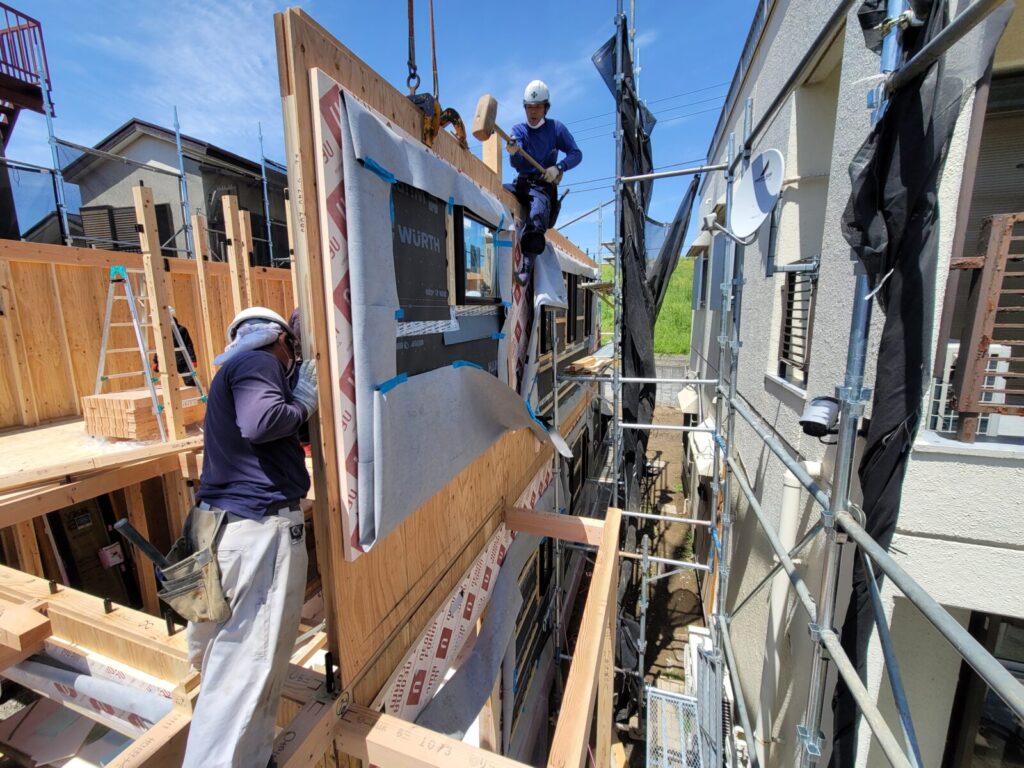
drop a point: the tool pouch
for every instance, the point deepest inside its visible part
(191, 584)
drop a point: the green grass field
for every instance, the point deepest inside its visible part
(672, 331)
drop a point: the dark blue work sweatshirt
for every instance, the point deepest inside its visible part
(543, 145)
(252, 460)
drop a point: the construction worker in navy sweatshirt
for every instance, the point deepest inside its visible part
(254, 476)
(542, 138)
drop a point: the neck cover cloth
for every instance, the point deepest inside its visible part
(250, 336)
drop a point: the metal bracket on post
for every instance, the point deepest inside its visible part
(811, 744)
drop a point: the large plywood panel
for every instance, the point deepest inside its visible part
(61, 293)
(83, 298)
(41, 333)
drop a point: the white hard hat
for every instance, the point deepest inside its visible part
(257, 313)
(536, 93)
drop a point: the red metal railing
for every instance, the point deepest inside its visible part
(21, 46)
(990, 368)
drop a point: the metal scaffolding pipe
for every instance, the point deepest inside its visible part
(955, 31)
(776, 447)
(633, 379)
(799, 585)
(679, 172)
(737, 689)
(778, 565)
(666, 518)
(869, 709)
(667, 428)
(984, 663)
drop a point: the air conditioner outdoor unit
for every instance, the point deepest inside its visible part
(943, 419)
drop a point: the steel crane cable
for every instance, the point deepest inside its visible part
(413, 80)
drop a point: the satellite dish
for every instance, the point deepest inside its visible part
(756, 192)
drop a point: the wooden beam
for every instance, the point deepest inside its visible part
(14, 342)
(492, 155)
(162, 746)
(202, 241)
(379, 739)
(30, 477)
(136, 510)
(572, 732)
(28, 548)
(606, 681)
(159, 292)
(25, 505)
(125, 635)
(237, 258)
(245, 228)
(581, 530)
(22, 626)
(178, 501)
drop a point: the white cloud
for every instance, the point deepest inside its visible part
(215, 61)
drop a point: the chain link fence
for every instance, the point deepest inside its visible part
(673, 739)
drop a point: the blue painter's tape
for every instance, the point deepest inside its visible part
(390, 384)
(497, 336)
(501, 222)
(529, 409)
(451, 205)
(391, 204)
(718, 544)
(399, 313)
(372, 165)
(465, 363)
(507, 304)
(503, 243)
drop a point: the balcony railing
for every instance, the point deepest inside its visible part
(988, 378)
(22, 59)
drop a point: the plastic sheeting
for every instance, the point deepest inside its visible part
(429, 428)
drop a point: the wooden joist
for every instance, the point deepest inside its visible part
(581, 530)
(572, 732)
(22, 630)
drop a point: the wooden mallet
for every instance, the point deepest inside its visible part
(484, 126)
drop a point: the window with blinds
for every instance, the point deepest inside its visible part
(797, 319)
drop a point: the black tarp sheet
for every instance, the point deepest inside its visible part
(891, 223)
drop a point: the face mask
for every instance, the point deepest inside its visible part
(535, 125)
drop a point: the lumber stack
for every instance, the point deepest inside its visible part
(129, 415)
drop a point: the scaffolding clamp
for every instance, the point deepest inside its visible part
(811, 744)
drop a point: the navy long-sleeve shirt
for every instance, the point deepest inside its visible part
(543, 144)
(252, 457)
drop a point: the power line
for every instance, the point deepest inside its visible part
(653, 101)
(660, 112)
(660, 122)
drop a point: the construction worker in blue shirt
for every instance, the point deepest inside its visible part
(542, 138)
(254, 474)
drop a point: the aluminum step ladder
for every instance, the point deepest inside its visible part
(120, 289)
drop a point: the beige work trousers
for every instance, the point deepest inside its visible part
(244, 660)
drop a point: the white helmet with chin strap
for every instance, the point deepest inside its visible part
(257, 313)
(536, 93)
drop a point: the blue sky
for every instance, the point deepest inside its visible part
(216, 62)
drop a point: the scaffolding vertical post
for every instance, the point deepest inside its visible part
(617, 259)
(58, 176)
(266, 197)
(645, 565)
(186, 208)
(558, 500)
(852, 396)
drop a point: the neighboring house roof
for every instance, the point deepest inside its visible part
(194, 149)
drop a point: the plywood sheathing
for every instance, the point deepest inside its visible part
(35, 383)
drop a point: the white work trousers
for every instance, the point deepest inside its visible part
(244, 661)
